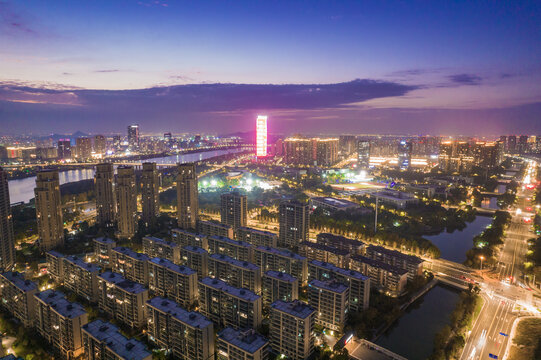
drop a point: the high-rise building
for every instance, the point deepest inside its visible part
(133, 136)
(326, 151)
(279, 285)
(49, 210)
(150, 193)
(330, 300)
(522, 146)
(487, 155)
(126, 194)
(79, 277)
(241, 274)
(236, 249)
(404, 154)
(195, 258)
(103, 251)
(503, 140)
(177, 282)
(7, 239)
(156, 247)
(299, 151)
(105, 196)
(347, 144)
(257, 237)
(64, 149)
(294, 223)
(291, 328)
(512, 144)
(130, 264)
(261, 136)
(84, 148)
(242, 345)
(187, 196)
(100, 144)
(363, 154)
(117, 142)
(234, 209)
(17, 296)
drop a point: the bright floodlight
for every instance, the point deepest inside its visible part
(261, 136)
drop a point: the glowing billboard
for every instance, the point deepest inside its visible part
(261, 136)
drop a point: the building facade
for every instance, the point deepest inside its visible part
(49, 210)
(294, 220)
(150, 193)
(187, 196)
(7, 238)
(105, 194)
(126, 193)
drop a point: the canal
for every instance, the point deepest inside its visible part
(22, 190)
(412, 335)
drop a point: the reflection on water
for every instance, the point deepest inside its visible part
(412, 336)
(23, 189)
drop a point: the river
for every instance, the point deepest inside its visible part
(453, 246)
(22, 190)
(412, 335)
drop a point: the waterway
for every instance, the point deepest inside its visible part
(453, 246)
(22, 190)
(412, 336)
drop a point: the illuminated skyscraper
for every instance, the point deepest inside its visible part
(233, 210)
(105, 199)
(150, 193)
(126, 194)
(84, 148)
(404, 154)
(261, 140)
(187, 196)
(49, 210)
(133, 136)
(363, 154)
(99, 144)
(64, 149)
(7, 240)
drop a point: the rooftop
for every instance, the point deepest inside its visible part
(55, 253)
(190, 233)
(345, 272)
(282, 276)
(256, 231)
(191, 318)
(82, 264)
(105, 240)
(295, 308)
(127, 285)
(242, 264)
(160, 241)
(19, 281)
(195, 249)
(338, 239)
(284, 253)
(379, 264)
(247, 340)
(396, 254)
(129, 252)
(212, 223)
(230, 241)
(179, 269)
(333, 286)
(240, 293)
(60, 304)
(323, 247)
(334, 202)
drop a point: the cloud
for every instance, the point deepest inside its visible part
(12, 22)
(465, 79)
(106, 71)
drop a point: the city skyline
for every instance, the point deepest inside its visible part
(454, 69)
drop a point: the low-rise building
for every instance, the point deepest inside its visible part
(59, 322)
(241, 274)
(242, 345)
(316, 251)
(103, 341)
(188, 334)
(394, 198)
(187, 238)
(122, 299)
(279, 286)
(195, 258)
(386, 278)
(331, 205)
(239, 250)
(341, 242)
(213, 228)
(81, 277)
(413, 264)
(130, 264)
(103, 249)
(156, 247)
(227, 305)
(257, 237)
(268, 258)
(330, 300)
(17, 296)
(291, 329)
(177, 282)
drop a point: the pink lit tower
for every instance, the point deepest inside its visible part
(261, 136)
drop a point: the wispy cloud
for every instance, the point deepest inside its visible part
(107, 71)
(465, 79)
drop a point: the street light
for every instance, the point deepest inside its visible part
(482, 258)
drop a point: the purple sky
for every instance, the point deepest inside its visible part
(320, 67)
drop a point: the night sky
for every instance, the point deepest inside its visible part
(427, 67)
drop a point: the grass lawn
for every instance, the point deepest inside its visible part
(527, 342)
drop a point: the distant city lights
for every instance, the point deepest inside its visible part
(261, 136)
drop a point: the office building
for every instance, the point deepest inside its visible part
(261, 136)
(359, 284)
(214, 228)
(84, 148)
(268, 258)
(404, 154)
(130, 264)
(388, 279)
(81, 277)
(294, 223)
(234, 209)
(49, 210)
(7, 238)
(257, 237)
(100, 145)
(340, 242)
(64, 149)
(291, 329)
(155, 247)
(126, 194)
(122, 299)
(59, 321)
(133, 136)
(239, 250)
(195, 258)
(103, 341)
(187, 196)
(242, 345)
(330, 300)
(177, 282)
(105, 195)
(413, 264)
(317, 251)
(103, 251)
(227, 305)
(241, 274)
(150, 193)
(187, 238)
(17, 296)
(279, 286)
(188, 334)
(363, 154)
